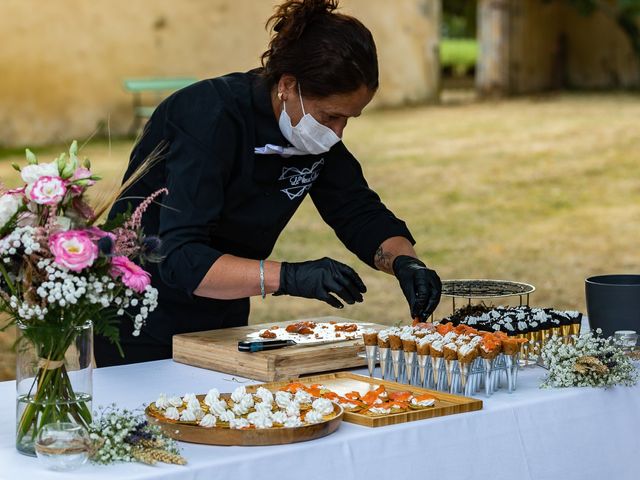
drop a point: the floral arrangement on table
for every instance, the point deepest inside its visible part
(60, 272)
(588, 361)
(126, 436)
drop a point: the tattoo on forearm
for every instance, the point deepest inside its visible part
(382, 260)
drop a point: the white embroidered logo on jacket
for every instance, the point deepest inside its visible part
(300, 180)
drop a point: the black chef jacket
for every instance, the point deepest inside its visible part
(223, 198)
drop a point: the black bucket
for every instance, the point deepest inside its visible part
(613, 302)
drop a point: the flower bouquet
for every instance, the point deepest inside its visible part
(61, 276)
(588, 361)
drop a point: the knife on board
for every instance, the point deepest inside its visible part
(261, 345)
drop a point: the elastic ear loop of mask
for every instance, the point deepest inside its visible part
(300, 95)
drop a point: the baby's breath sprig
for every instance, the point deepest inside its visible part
(123, 435)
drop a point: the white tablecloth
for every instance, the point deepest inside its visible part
(566, 434)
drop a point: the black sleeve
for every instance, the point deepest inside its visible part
(201, 150)
(352, 209)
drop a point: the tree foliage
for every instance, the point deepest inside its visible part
(459, 18)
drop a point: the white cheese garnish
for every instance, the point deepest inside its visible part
(322, 406)
(208, 421)
(212, 395)
(162, 402)
(313, 416)
(172, 413)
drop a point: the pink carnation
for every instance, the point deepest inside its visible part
(47, 190)
(133, 276)
(73, 249)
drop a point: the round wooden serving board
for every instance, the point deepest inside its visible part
(245, 437)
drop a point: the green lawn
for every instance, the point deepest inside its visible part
(460, 54)
(543, 190)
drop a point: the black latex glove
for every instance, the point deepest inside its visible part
(320, 279)
(421, 286)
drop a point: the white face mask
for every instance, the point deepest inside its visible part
(308, 135)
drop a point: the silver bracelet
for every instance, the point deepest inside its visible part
(262, 292)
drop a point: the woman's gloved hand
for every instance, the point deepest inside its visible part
(320, 279)
(421, 286)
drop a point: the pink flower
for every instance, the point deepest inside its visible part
(73, 249)
(97, 233)
(76, 190)
(133, 276)
(46, 190)
(81, 173)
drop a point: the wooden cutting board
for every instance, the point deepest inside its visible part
(218, 350)
(343, 382)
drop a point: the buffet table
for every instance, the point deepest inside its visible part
(530, 434)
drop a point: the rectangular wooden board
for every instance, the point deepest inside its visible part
(218, 350)
(343, 382)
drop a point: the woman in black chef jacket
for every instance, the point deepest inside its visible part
(240, 154)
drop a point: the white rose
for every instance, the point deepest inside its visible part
(9, 205)
(31, 173)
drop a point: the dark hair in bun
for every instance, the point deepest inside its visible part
(328, 52)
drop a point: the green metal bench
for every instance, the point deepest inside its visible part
(159, 87)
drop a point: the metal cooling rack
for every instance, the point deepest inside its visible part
(484, 288)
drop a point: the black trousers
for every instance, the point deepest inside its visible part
(171, 318)
(146, 350)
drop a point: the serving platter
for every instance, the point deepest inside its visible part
(218, 350)
(192, 433)
(344, 382)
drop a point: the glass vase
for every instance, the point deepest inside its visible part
(63, 446)
(54, 379)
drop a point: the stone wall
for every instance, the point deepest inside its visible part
(550, 46)
(599, 53)
(493, 69)
(534, 31)
(63, 62)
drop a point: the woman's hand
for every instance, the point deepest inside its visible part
(421, 286)
(321, 279)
